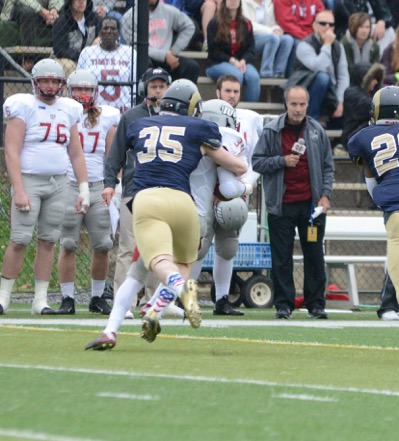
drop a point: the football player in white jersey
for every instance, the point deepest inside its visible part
(41, 135)
(96, 131)
(110, 61)
(249, 125)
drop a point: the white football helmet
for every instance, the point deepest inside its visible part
(232, 214)
(44, 69)
(83, 79)
(220, 112)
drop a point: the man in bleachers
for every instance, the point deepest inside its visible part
(170, 32)
(296, 19)
(322, 68)
(28, 22)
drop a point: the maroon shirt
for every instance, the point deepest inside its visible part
(296, 179)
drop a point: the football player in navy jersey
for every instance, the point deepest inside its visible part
(167, 149)
(376, 148)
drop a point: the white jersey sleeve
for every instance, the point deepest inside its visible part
(47, 132)
(93, 141)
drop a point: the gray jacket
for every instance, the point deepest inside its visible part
(268, 160)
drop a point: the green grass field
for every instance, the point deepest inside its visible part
(249, 379)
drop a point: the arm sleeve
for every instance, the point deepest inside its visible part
(343, 75)
(308, 57)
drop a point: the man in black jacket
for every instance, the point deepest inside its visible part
(152, 86)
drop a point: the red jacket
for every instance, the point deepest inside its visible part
(296, 17)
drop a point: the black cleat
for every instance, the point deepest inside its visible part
(317, 313)
(67, 306)
(47, 311)
(224, 307)
(283, 314)
(99, 305)
(1, 310)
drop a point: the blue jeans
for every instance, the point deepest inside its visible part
(317, 93)
(250, 79)
(275, 52)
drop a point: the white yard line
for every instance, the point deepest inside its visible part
(306, 397)
(129, 396)
(221, 380)
(225, 323)
(27, 434)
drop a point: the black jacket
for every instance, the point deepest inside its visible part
(219, 52)
(68, 40)
(345, 8)
(358, 97)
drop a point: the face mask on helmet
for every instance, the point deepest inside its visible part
(220, 112)
(182, 98)
(48, 78)
(82, 87)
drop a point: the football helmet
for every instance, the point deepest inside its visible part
(45, 69)
(83, 79)
(220, 112)
(385, 106)
(232, 214)
(182, 97)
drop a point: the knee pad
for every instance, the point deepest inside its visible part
(69, 244)
(101, 243)
(227, 248)
(21, 238)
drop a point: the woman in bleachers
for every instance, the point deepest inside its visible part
(358, 44)
(231, 48)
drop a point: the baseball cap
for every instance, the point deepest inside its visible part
(156, 73)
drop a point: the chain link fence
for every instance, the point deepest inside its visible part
(21, 49)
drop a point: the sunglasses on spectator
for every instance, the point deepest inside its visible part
(325, 23)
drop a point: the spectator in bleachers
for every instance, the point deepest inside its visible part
(382, 31)
(390, 59)
(358, 44)
(76, 28)
(322, 68)
(107, 8)
(31, 19)
(231, 47)
(110, 61)
(270, 41)
(170, 31)
(296, 19)
(201, 12)
(367, 79)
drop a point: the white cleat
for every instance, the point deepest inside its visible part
(390, 316)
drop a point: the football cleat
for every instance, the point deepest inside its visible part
(67, 306)
(99, 305)
(150, 327)
(190, 303)
(102, 343)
